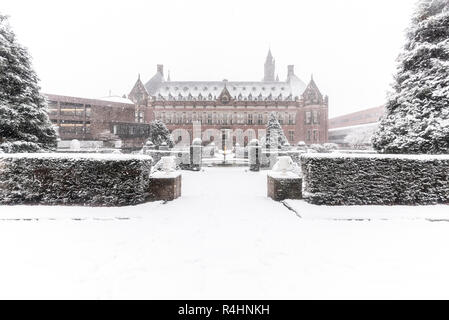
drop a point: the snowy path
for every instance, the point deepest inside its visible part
(222, 239)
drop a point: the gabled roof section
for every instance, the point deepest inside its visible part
(225, 97)
(138, 92)
(312, 94)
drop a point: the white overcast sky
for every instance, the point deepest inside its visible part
(86, 48)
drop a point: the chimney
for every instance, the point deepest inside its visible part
(160, 69)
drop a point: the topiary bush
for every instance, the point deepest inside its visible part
(349, 179)
(74, 179)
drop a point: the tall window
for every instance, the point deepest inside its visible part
(315, 135)
(309, 135)
(250, 118)
(308, 117)
(139, 116)
(291, 136)
(209, 118)
(291, 119)
(281, 119)
(260, 119)
(316, 119)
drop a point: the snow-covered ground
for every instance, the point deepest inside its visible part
(224, 239)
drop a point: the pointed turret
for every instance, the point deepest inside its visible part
(270, 66)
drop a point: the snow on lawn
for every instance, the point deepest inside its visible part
(223, 239)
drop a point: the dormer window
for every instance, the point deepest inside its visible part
(205, 88)
(254, 89)
(274, 88)
(185, 88)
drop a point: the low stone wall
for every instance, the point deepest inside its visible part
(345, 179)
(74, 179)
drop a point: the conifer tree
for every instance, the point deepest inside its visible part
(417, 113)
(160, 134)
(24, 122)
(275, 134)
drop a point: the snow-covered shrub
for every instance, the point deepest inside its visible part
(159, 134)
(345, 179)
(329, 147)
(318, 148)
(275, 135)
(74, 179)
(417, 113)
(24, 122)
(182, 158)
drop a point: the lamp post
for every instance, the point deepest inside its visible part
(223, 142)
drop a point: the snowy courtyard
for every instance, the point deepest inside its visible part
(224, 239)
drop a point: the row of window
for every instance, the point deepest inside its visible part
(129, 130)
(74, 127)
(69, 109)
(223, 118)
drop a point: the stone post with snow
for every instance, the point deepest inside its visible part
(196, 154)
(284, 181)
(165, 180)
(254, 154)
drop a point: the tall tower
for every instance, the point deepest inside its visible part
(270, 66)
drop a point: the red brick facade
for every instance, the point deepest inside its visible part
(302, 110)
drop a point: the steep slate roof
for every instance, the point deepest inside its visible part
(239, 90)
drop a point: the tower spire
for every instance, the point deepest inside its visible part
(269, 68)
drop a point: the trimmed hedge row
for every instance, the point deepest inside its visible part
(74, 179)
(344, 179)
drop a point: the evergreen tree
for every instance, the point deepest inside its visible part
(159, 134)
(417, 113)
(24, 122)
(275, 134)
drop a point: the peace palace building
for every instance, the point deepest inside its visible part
(301, 109)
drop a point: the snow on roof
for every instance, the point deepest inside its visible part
(238, 90)
(116, 99)
(373, 124)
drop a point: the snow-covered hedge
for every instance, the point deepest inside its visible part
(74, 179)
(345, 179)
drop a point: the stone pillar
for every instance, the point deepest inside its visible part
(254, 155)
(284, 186)
(165, 186)
(196, 155)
